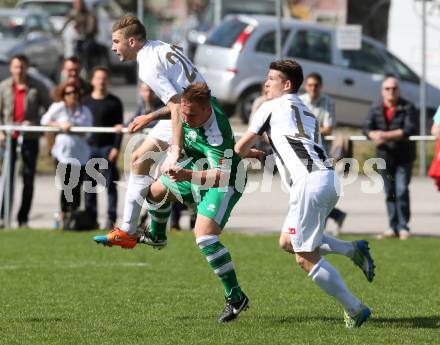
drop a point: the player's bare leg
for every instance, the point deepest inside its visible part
(357, 251)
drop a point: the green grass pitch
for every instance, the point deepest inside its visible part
(61, 288)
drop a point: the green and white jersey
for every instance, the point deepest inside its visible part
(211, 146)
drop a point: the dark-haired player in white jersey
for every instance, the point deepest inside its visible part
(167, 71)
(295, 138)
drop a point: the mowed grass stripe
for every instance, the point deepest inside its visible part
(61, 288)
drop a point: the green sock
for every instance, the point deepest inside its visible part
(221, 263)
(158, 221)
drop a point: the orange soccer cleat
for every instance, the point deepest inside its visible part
(117, 237)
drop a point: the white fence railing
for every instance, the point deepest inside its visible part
(8, 129)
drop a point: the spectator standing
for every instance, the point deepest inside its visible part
(22, 99)
(107, 111)
(434, 170)
(147, 104)
(71, 72)
(389, 124)
(194, 23)
(83, 28)
(323, 107)
(70, 150)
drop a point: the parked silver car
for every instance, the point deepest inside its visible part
(236, 56)
(107, 12)
(216, 10)
(30, 33)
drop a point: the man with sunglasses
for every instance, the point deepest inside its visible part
(389, 123)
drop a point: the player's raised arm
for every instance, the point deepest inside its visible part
(177, 136)
(244, 146)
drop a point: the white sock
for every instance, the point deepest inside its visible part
(329, 280)
(332, 245)
(137, 190)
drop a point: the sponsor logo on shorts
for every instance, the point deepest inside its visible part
(211, 207)
(292, 231)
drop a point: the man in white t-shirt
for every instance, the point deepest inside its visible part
(167, 71)
(294, 135)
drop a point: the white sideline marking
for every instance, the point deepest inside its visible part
(75, 265)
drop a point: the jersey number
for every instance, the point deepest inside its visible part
(177, 52)
(299, 124)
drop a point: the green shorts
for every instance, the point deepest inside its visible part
(213, 203)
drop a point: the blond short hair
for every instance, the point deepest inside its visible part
(130, 26)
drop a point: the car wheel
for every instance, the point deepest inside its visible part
(246, 100)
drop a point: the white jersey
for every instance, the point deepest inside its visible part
(294, 135)
(165, 69)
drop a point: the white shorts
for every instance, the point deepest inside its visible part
(311, 200)
(162, 131)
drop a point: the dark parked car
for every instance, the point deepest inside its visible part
(30, 33)
(107, 12)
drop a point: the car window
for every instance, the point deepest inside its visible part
(311, 45)
(11, 26)
(51, 8)
(228, 7)
(404, 72)
(226, 33)
(266, 44)
(248, 7)
(367, 59)
(34, 23)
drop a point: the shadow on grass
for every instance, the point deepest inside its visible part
(40, 319)
(430, 322)
(307, 319)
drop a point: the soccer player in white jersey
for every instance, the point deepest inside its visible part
(295, 138)
(167, 71)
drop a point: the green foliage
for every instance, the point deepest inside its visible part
(7, 3)
(61, 288)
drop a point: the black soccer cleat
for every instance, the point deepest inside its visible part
(145, 237)
(232, 309)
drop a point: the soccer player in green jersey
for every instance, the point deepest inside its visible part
(208, 142)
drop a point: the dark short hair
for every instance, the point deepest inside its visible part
(73, 58)
(292, 70)
(316, 76)
(20, 57)
(130, 25)
(99, 68)
(198, 92)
